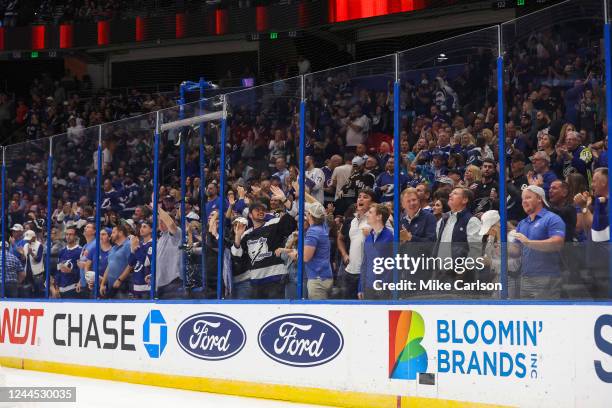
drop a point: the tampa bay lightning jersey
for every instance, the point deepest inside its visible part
(68, 257)
(140, 261)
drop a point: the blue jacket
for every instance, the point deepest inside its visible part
(376, 247)
(422, 227)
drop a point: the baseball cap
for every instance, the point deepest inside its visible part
(358, 161)
(29, 234)
(488, 219)
(192, 216)
(17, 227)
(258, 205)
(316, 210)
(241, 220)
(539, 191)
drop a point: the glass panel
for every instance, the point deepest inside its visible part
(125, 214)
(195, 273)
(74, 210)
(556, 138)
(26, 212)
(350, 138)
(263, 163)
(449, 150)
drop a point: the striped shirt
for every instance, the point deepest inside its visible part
(12, 267)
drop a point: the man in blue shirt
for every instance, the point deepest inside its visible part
(378, 245)
(117, 262)
(541, 236)
(317, 253)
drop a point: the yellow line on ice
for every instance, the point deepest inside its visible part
(308, 395)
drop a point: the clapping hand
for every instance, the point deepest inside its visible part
(277, 193)
(583, 200)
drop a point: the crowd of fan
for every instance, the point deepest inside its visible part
(556, 139)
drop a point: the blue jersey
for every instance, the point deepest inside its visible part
(112, 200)
(131, 193)
(68, 257)
(140, 261)
(388, 180)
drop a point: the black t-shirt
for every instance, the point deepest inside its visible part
(568, 215)
(482, 201)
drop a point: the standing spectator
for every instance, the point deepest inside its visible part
(355, 126)
(593, 217)
(17, 242)
(34, 263)
(66, 280)
(314, 180)
(254, 249)
(541, 235)
(573, 156)
(339, 179)
(416, 225)
(169, 265)
(89, 233)
(378, 244)
(13, 270)
(353, 256)
(457, 233)
(317, 253)
(560, 204)
(541, 175)
(139, 263)
(117, 262)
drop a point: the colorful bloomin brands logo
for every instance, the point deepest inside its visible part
(407, 356)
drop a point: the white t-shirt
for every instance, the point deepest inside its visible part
(353, 137)
(356, 246)
(340, 176)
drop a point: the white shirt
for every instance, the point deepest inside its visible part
(340, 176)
(356, 246)
(353, 137)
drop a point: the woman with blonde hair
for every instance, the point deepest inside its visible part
(472, 175)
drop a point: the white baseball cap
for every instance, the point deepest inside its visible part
(17, 227)
(358, 161)
(539, 191)
(29, 234)
(488, 219)
(316, 210)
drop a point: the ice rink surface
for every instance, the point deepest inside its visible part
(111, 394)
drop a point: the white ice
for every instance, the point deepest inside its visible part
(111, 394)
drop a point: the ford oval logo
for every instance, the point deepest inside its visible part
(300, 340)
(211, 336)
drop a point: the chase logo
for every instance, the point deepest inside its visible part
(406, 355)
(300, 340)
(155, 323)
(605, 346)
